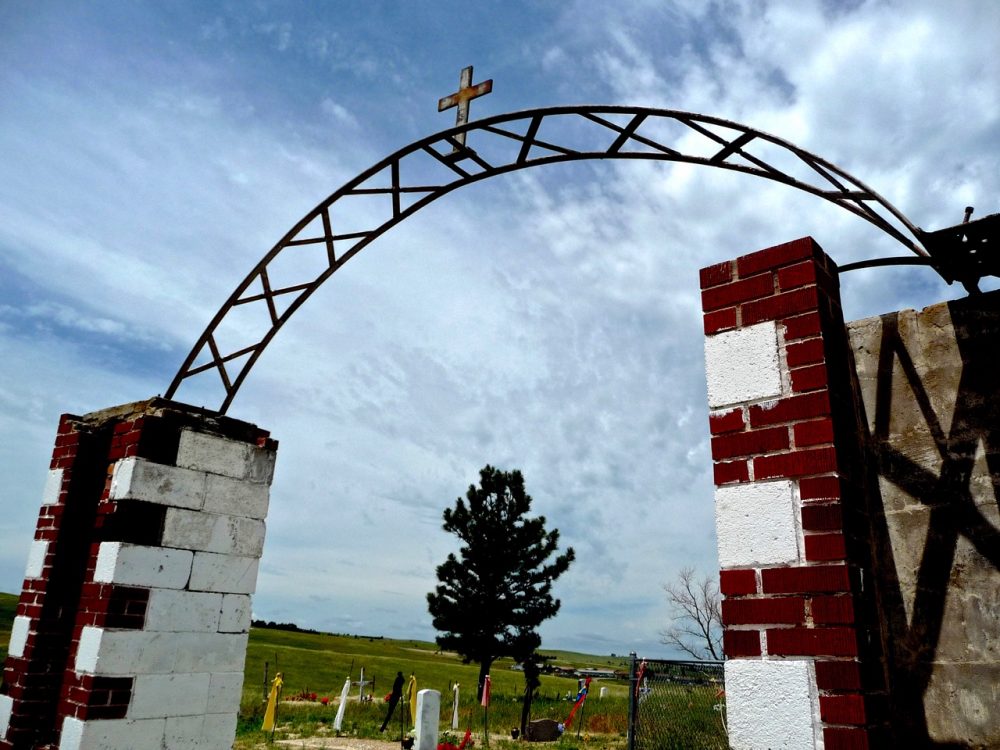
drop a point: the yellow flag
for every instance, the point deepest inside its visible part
(411, 696)
(272, 704)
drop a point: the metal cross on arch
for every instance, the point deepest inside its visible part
(430, 168)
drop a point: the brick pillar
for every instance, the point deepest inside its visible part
(132, 624)
(803, 663)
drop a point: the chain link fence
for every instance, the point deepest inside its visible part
(677, 704)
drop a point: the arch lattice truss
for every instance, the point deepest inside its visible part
(411, 178)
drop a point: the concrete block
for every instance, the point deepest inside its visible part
(772, 704)
(210, 732)
(156, 695)
(229, 458)
(428, 719)
(139, 652)
(138, 479)
(183, 611)
(228, 574)
(224, 692)
(137, 565)
(216, 652)
(36, 559)
(53, 486)
(6, 706)
(236, 614)
(211, 532)
(743, 365)
(18, 636)
(756, 524)
(112, 734)
(235, 497)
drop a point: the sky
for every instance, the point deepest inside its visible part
(546, 320)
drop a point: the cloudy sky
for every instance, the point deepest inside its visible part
(549, 320)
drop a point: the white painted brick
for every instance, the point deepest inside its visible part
(157, 695)
(53, 486)
(19, 635)
(137, 565)
(236, 614)
(211, 532)
(225, 692)
(743, 365)
(772, 704)
(183, 611)
(6, 706)
(756, 524)
(112, 734)
(138, 479)
(228, 574)
(236, 497)
(139, 652)
(36, 559)
(230, 458)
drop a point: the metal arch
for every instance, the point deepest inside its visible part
(464, 166)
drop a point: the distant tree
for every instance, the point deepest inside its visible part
(493, 596)
(696, 615)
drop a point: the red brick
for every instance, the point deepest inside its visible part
(807, 352)
(826, 517)
(777, 256)
(833, 610)
(729, 421)
(800, 274)
(720, 273)
(795, 464)
(731, 471)
(810, 378)
(750, 443)
(720, 320)
(805, 580)
(844, 738)
(820, 488)
(779, 306)
(812, 642)
(842, 709)
(737, 582)
(816, 432)
(791, 409)
(838, 675)
(736, 292)
(786, 610)
(802, 326)
(738, 643)
(825, 547)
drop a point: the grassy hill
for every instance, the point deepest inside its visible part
(8, 603)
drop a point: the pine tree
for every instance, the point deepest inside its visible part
(490, 600)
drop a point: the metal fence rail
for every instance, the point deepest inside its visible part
(676, 704)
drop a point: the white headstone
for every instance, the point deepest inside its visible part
(428, 718)
(604, 692)
(454, 709)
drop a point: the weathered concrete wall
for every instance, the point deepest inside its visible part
(931, 389)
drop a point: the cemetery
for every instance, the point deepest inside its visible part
(855, 463)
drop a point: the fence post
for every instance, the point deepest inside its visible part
(632, 703)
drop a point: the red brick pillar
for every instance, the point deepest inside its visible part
(144, 558)
(803, 667)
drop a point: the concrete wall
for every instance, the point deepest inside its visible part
(132, 624)
(931, 389)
